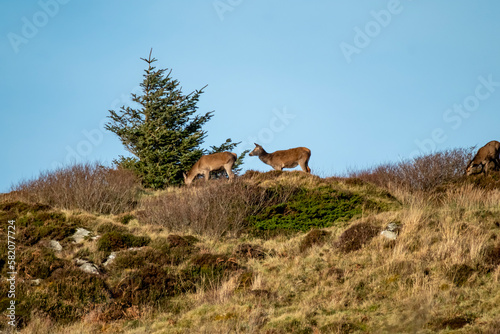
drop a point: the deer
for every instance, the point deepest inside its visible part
(485, 156)
(211, 162)
(284, 159)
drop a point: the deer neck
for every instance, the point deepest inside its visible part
(191, 174)
(265, 157)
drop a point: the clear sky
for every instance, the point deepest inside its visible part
(358, 82)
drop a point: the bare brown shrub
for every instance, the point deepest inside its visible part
(356, 236)
(250, 251)
(217, 208)
(87, 186)
(423, 173)
(315, 237)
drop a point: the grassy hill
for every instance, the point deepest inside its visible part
(276, 252)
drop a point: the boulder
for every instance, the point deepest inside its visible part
(80, 235)
(55, 245)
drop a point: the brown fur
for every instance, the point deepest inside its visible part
(284, 159)
(484, 158)
(211, 162)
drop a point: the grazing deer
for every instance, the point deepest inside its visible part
(284, 159)
(485, 156)
(211, 162)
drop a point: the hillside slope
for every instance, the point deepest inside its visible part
(269, 253)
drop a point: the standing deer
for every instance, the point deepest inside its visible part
(211, 162)
(284, 159)
(485, 156)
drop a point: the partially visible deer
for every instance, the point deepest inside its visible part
(486, 156)
(211, 162)
(284, 159)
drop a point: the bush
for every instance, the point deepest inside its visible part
(44, 225)
(310, 208)
(113, 241)
(88, 186)
(315, 237)
(215, 209)
(208, 270)
(356, 236)
(423, 173)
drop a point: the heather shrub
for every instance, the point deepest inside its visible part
(315, 237)
(87, 186)
(112, 241)
(356, 236)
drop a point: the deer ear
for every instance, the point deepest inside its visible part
(256, 144)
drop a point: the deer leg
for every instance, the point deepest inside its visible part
(486, 166)
(497, 163)
(229, 171)
(206, 175)
(304, 166)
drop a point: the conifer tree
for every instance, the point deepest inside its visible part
(164, 131)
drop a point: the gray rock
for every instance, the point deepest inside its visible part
(389, 235)
(80, 234)
(111, 259)
(79, 262)
(393, 227)
(87, 266)
(55, 245)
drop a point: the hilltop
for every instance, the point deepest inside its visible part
(275, 252)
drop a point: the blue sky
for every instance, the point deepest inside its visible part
(358, 82)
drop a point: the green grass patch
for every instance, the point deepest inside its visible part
(312, 208)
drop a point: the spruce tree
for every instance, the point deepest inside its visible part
(163, 132)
